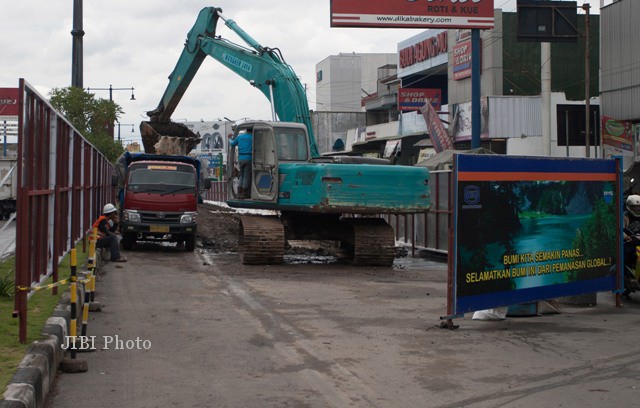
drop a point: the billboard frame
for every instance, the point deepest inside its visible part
(589, 274)
(412, 14)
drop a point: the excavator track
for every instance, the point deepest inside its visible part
(373, 242)
(261, 240)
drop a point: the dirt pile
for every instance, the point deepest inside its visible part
(218, 228)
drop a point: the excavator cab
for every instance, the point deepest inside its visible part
(264, 164)
(274, 144)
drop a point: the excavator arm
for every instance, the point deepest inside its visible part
(264, 68)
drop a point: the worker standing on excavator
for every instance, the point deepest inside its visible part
(244, 141)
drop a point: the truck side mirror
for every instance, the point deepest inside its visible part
(114, 180)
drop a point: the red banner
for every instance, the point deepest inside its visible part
(412, 99)
(437, 132)
(9, 102)
(412, 13)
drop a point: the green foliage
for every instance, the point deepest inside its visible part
(597, 238)
(559, 198)
(40, 307)
(90, 116)
(552, 202)
(7, 284)
(496, 223)
(531, 214)
(107, 146)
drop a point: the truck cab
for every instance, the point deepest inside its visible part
(159, 199)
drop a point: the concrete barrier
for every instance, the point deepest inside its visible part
(36, 373)
(30, 385)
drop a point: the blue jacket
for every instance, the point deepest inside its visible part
(244, 141)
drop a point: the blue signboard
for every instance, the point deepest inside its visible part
(533, 228)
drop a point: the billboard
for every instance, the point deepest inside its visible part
(412, 13)
(412, 99)
(212, 150)
(462, 60)
(617, 134)
(9, 107)
(533, 228)
(461, 126)
(547, 21)
(213, 134)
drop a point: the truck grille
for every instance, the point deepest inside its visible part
(168, 218)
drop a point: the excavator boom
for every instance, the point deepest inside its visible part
(262, 67)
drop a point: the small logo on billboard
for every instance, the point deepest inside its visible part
(471, 197)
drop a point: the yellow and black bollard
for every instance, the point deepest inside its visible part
(91, 259)
(73, 330)
(93, 305)
(73, 364)
(85, 307)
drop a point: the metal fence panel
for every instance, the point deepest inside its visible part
(59, 193)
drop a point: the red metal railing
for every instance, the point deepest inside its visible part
(217, 192)
(63, 182)
(430, 230)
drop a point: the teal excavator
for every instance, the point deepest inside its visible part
(315, 197)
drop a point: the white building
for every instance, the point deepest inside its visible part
(343, 80)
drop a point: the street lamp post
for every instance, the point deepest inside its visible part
(124, 124)
(111, 89)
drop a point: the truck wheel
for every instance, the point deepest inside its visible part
(190, 243)
(128, 240)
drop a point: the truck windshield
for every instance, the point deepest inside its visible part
(291, 144)
(161, 178)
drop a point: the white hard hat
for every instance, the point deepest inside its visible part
(633, 201)
(109, 208)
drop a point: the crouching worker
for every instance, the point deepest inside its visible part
(108, 236)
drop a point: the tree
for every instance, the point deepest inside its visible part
(91, 116)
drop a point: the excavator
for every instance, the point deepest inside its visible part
(329, 198)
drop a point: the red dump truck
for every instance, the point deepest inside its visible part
(158, 198)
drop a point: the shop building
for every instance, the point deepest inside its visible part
(435, 65)
(620, 79)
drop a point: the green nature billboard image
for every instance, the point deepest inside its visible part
(529, 229)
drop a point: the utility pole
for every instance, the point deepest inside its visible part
(76, 49)
(545, 91)
(587, 79)
(476, 124)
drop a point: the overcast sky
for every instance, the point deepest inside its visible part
(136, 43)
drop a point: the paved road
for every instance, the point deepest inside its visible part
(327, 335)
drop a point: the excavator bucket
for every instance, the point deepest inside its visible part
(168, 138)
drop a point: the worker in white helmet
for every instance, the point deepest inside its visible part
(108, 236)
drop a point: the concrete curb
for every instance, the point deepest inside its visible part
(36, 373)
(30, 385)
